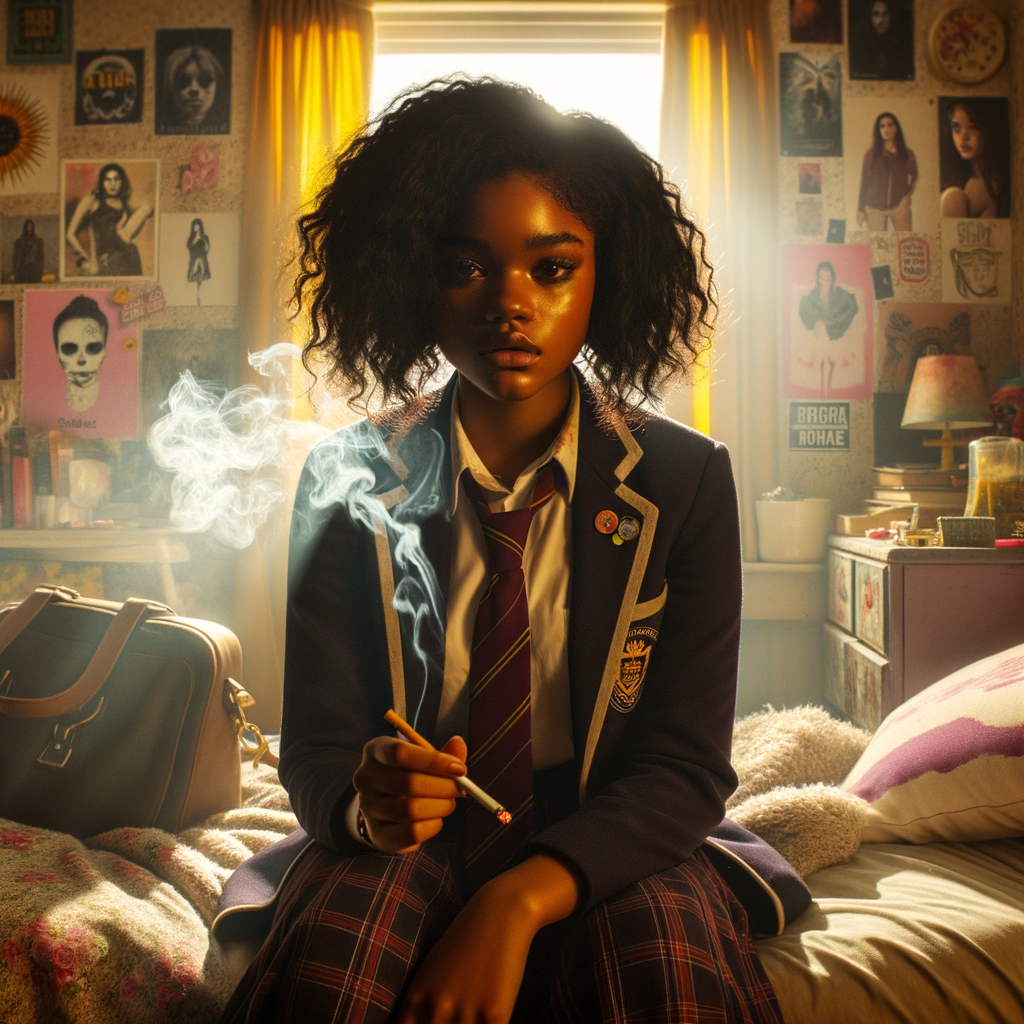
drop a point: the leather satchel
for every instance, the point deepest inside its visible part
(118, 715)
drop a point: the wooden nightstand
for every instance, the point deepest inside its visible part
(902, 618)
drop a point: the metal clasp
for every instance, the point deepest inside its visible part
(240, 698)
(58, 750)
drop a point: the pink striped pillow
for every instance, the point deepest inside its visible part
(949, 763)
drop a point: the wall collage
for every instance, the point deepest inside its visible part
(120, 188)
(895, 188)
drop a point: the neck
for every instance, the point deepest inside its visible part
(507, 435)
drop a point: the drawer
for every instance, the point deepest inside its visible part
(869, 603)
(836, 642)
(840, 589)
(866, 680)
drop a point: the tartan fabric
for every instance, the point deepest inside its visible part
(349, 932)
(500, 748)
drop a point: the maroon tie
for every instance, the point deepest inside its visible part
(500, 752)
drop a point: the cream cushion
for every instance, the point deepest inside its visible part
(949, 763)
(907, 935)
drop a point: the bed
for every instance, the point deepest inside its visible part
(921, 930)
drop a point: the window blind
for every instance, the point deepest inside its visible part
(527, 26)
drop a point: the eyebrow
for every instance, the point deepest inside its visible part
(533, 242)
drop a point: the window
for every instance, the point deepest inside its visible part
(604, 58)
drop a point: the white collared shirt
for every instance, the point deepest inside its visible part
(546, 566)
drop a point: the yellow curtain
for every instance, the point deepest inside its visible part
(718, 132)
(311, 91)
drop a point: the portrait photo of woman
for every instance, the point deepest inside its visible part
(974, 156)
(109, 219)
(198, 246)
(193, 81)
(887, 179)
(881, 40)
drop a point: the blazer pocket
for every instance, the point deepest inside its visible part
(636, 652)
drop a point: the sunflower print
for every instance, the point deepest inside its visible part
(24, 133)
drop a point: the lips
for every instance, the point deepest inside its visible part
(511, 351)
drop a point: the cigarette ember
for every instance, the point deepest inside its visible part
(503, 816)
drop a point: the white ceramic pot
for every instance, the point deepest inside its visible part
(793, 531)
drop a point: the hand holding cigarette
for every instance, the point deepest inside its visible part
(482, 798)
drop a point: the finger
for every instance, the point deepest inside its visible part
(456, 746)
(397, 782)
(403, 810)
(431, 762)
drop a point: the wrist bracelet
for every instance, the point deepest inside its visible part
(364, 832)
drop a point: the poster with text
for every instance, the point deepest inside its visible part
(810, 105)
(109, 86)
(79, 366)
(892, 169)
(30, 248)
(199, 256)
(827, 321)
(193, 81)
(976, 258)
(109, 216)
(28, 156)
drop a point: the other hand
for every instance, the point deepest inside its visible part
(406, 792)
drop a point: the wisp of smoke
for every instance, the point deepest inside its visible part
(229, 452)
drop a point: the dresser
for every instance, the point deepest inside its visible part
(900, 618)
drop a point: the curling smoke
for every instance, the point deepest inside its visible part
(234, 456)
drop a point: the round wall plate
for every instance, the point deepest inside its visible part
(967, 43)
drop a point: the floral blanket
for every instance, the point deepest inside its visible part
(116, 929)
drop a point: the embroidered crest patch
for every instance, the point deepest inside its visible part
(633, 667)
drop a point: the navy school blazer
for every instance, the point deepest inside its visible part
(654, 628)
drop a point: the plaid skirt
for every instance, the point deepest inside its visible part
(349, 933)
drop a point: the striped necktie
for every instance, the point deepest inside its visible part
(500, 752)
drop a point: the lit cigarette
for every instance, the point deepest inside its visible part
(482, 798)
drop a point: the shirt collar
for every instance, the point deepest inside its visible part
(563, 450)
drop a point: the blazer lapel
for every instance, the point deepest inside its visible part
(606, 577)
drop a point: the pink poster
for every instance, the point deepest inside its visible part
(827, 321)
(80, 366)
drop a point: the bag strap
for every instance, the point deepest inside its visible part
(100, 665)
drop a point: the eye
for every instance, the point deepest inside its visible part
(94, 348)
(69, 348)
(554, 269)
(205, 81)
(459, 268)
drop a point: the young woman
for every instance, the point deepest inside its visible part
(887, 179)
(112, 222)
(975, 163)
(583, 557)
(198, 246)
(195, 97)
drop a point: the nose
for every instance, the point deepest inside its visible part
(511, 299)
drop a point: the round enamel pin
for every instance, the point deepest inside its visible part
(629, 529)
(606, 521)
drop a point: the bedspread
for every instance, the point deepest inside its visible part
(116, 929)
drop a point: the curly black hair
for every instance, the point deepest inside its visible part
(366, 264)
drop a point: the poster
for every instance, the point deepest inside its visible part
(974, 156)
(815, 21)
(79, 366)
(110, 209)
(38, 31)
(976, 261)
(199, 256)
(827, 321)
(810, 179)
(109, 86)
(881, 40)
(30, 248)
(8, 368)
(28, 104)
(193, 81)
(892, 173)
(909, 330)
(209, 355)
(810, 106)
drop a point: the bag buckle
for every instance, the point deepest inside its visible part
(240, 698)
(58, 750)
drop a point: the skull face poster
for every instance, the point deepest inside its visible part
(80, 367)
(109, 86)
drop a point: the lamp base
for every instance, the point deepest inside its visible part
(947, 444)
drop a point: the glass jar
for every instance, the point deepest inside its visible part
(996, 484)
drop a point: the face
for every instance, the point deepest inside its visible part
(516, 272)
(824, 277)
(887, 129)
(81, 349)
(30, 228)
(194, 90)
(880, 16)
(967, 135)
(112, 182)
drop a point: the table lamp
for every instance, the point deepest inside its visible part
(946, 394)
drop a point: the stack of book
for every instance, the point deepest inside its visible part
(936, 492)
(33, 473)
